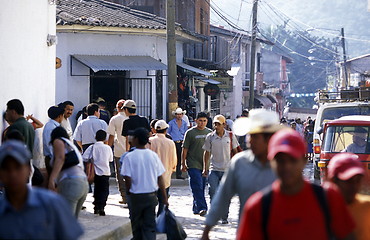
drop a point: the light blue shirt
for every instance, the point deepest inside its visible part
(177, 133)
(46, 136)
(86, 129)
(245, 176)
(45, 215)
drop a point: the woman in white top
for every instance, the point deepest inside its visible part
(69, 182)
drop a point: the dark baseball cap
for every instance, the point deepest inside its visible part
(15, 149)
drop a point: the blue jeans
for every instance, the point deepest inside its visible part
(214, 180)
(197, 185)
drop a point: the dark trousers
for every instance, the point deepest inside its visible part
(48, 166)
(142, 215)
(197, 185)
(160, 200)
(101, 192)
(178, 153)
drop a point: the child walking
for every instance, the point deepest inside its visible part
(101, 154)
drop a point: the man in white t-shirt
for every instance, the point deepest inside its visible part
(142, 170)
(119, 142)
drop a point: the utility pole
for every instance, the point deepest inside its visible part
(344, 58)
(253, 54)
(171, 58)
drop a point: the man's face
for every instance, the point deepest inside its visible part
(68, 110)
(359, 139)
(179, 116)
(201, 123)
(10, 115)
(350, 188)
(14, 175)
(218, 126)
(258, 144)
(288, 169)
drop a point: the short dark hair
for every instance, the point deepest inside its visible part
(130, 110)
(201, 115)
(92, 108)
(161, 131)
(57, 133)
(142, 135)
(153, 122)
(14, 134)
(68, 103)
(16, 105)
(100, 135)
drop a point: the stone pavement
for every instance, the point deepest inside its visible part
(116, 224)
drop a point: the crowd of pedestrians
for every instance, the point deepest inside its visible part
(262, 166)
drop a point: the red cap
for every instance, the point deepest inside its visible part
(287, 141)
(120, 103)
(344, 166)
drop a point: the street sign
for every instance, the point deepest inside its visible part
(211, 90)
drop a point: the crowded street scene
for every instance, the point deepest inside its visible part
(193, 119)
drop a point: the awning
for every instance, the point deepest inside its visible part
(120, 63)
(193, 69)
(272, 98)
(264, 101)
(208, 80)
(234, 69)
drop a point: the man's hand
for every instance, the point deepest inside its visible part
(51, 185)
(205, 173)
(184, 167)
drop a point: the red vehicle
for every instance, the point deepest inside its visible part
(346, 134)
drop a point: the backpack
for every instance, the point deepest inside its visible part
(319, 192)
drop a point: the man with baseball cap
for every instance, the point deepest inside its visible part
(249, 171)
(218, 147)
(134, 121)
(55, 114)
(347, 172)
(166, 150)
(293, 208)
(119, 142)
(30, 213)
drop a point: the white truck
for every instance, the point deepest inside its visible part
(334, 105)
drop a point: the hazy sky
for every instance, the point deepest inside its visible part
(331, 14)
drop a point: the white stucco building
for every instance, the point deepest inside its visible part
(27, 63)
(113, 52)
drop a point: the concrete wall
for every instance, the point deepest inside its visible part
(76, 88)
(27, 64)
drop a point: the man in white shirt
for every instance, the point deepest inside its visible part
(119, 142)
(142, 170)
(101, 154)
(166, 150)
(55, 114)
(68, 111)
(85, 131)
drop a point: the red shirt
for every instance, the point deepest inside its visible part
(296, 216)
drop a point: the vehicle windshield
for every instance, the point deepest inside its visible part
(354, 139)
(337, 112)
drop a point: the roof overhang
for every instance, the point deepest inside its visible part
(180, 35)
(194, 69)
(120, 63)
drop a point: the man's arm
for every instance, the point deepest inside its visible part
(128, 184)
(184, 154)
(163, 190)
(79, 143)
(206, 157)
(111, 140)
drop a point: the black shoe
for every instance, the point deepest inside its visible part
(101, 213)
(96, 211)
(224, 221)
(202, 213)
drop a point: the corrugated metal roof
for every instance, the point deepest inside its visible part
(207, 80)
(120, 63)
(194, 69)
